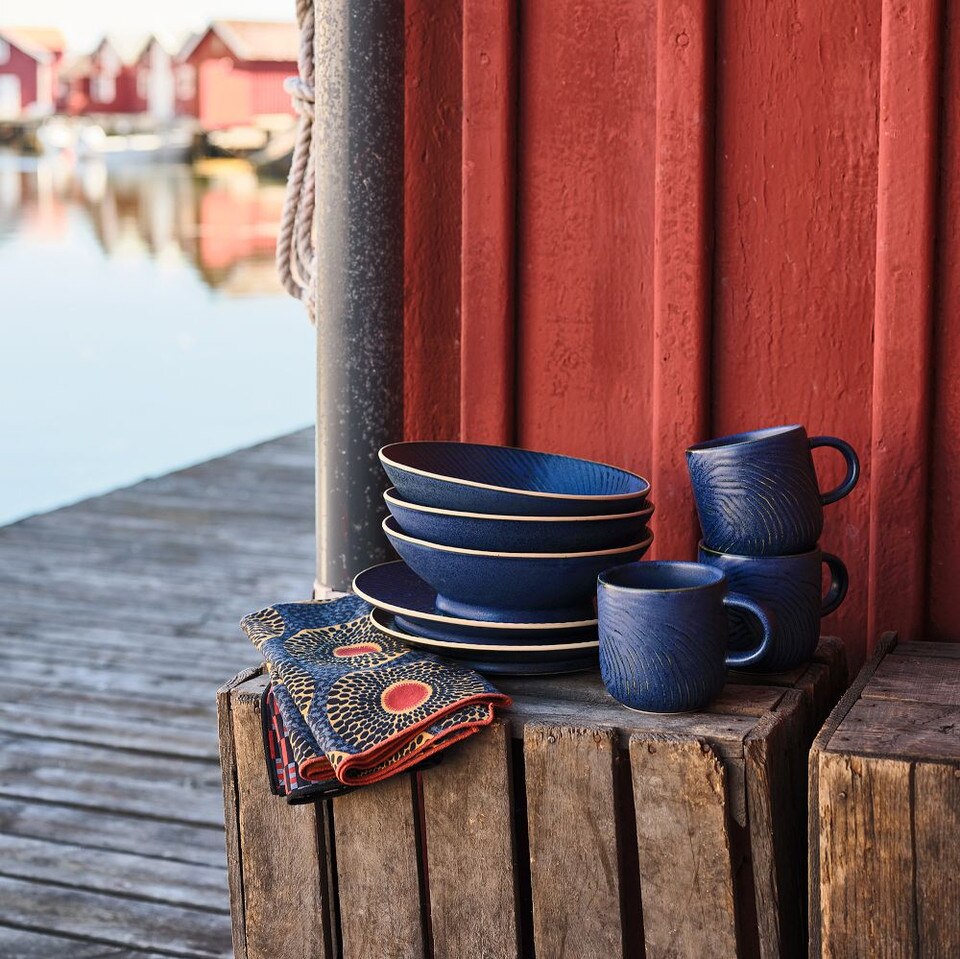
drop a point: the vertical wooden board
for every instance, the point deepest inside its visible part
(572, 827)
(470, 849)
(231, 809)
(683, 840)
(585, 228)
(775, 754)
(279, 850)
(903, 343)
(682, 271)
(867, 906)
(488, 246)
(378, 882)
(943, 607)
(795, 199)
(432, 165)
(936, 826)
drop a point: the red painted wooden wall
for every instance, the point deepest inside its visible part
(632, 224)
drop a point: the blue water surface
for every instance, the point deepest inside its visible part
(143, 328)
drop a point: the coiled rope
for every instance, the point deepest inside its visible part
(296, 253)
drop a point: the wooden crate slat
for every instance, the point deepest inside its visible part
(686, 879)
(867, 899)
(470, 849)
(284, 910)
(775, 766)
(572, 825)
(936, 826)
(879, 727)
(378, 880)
(923, 679)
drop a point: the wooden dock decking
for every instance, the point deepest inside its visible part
(119, 620)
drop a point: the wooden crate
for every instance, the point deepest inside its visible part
(885, 809)
(572, 826)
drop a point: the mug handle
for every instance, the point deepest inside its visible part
(747, 605)
(853, 467)
(838, 583)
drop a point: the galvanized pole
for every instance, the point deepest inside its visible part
(359, 218)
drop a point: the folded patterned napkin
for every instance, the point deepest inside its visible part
(354, 704)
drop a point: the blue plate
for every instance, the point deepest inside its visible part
(517, 534)
(512, 482)
(502, 659)
(395, 588)
(510, 587)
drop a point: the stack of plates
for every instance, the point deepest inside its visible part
(500, 551)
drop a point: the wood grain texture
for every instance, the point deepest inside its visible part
(936, 825)
(922, 679)
(686, 880)
(864, 813)
(377, 878)
(887, 643)
(432, 219)
(470, 849)
(776, 790)
(585, 228)
(906, 220)
(572, 825)
(943, 552)
(284, 911)
(682, 260)
(488, 221)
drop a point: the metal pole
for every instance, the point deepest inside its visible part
(359, 211)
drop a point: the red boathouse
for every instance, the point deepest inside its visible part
(30, 60)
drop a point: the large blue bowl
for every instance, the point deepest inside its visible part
(517, 534)
(510, 587)
(509, 482)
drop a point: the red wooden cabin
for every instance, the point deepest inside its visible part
(113, 80)
(635, 224)
(234, 72)
(30, 59)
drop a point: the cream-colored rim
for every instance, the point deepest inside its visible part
(479, 647)
(506, 555)
(512, 489)
(390, 497)
(455, 620)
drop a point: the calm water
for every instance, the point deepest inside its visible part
(143, 327)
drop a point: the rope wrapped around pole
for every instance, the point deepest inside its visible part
(296, 253)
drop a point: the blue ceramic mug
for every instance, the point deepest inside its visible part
(757, 493)
(790, 587)
(663, 634)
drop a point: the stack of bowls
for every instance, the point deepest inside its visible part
(500, 550)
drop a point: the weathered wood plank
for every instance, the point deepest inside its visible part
(866, 858)
(470, 849)
(113, 831)
(375, 838)
(283, 882)
(572, 826)
(27, 944)
(923, 679)
(129, 874)
(887, 642)
(776, 787)
(936, 826)
(880, 727)
(686, 878)
(113, 920)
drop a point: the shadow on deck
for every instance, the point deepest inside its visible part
(119, 620)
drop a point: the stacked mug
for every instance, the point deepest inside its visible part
(761, 514)
(669, 630)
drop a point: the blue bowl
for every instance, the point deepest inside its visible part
(510, 587)
(475, 478)
(517, 534)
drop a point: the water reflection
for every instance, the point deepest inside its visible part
(143, 324)
(225, 226)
